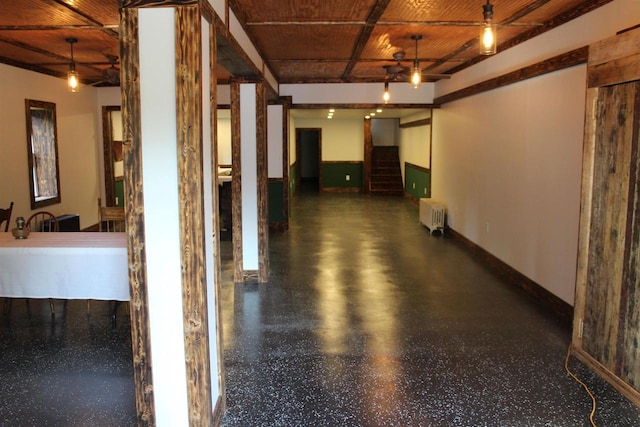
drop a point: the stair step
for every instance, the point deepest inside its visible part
(386, 177)
(384, 186)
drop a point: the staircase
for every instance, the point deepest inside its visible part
(386, 178)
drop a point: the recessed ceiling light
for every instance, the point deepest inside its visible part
(379, 110)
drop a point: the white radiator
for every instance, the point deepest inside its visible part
(432, 215)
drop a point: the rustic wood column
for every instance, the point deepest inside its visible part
(368, 147)
(188, 45)
(250, 181)
(168, 61)
(286, 200)
(134, 208)
(262, 182)
(236, 183)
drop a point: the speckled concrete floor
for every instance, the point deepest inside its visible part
(69, 371)
(368, 321)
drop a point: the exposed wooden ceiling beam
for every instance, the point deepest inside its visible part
(89, 20)
(62, 59)
(47, 27)
(365, 33)
(385, 23)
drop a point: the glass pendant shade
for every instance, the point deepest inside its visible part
(488, 45)
(386, 96)
(73, 80)
(416, 75)
(488, 34)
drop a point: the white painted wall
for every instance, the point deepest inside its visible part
(274, 140)
(78, 124)
(385, 132)
(236, 30)
(224, 140)
(353, 93)
(415, 142)
(342, 140)
(220, 7)
(508, 162)
(510, 174)
(160, 187)
(248, 140)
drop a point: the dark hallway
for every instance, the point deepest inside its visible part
(369, 321)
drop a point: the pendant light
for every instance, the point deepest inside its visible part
(416, 75)
(488, 39)
(73, 80)
(386, 96)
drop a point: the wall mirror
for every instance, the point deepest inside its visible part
(113, 160)
(42, 148)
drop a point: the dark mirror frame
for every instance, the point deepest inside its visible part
(110, 148)
(50, 134)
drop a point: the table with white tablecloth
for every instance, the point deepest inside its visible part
(75, 265)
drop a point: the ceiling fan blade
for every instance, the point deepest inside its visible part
(397, 69)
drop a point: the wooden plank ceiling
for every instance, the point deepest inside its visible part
(303, 41)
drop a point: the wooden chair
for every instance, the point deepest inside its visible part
(43, 221)
(40, 221)
(110, 219)
(5, 215)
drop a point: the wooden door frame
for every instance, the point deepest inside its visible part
(107, 149)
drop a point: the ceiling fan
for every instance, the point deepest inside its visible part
(111, 75)
(402, 73)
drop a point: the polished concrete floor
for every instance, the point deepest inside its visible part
(366, 320)
(70, 370)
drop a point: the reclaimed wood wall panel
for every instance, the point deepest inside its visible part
(134, 209)
(606, 332)
(608, 223)
(188, 48)
(614, 60)
(629, 331)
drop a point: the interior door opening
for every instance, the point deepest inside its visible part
(308, 148)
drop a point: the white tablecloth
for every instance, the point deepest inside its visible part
(65, 266)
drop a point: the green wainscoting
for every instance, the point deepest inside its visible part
(417, 181)
(276, 201)
(119, 190)
(339, 176)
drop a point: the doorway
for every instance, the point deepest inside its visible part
(308, 159)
